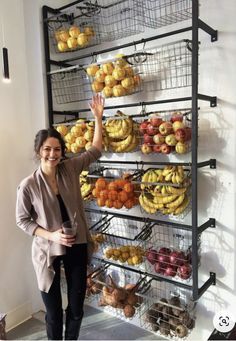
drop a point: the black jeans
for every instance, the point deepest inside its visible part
(75, 265)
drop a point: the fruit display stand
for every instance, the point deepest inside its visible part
(171, 229)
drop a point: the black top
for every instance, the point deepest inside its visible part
(63, 209)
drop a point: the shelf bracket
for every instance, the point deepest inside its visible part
(211, 99)
(211, 281)
(211, 163)
(208, 29)
(210, 223)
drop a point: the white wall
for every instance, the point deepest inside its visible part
(24, 112)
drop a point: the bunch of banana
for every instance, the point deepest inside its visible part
(174, 174)
(151, 176)
(122, 134)
(166, 204)
(85, 187)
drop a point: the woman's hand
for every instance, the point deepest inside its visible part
(97, 106)
(60, 238)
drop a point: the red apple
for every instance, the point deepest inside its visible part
(170, 271)
(163, 255)
(143, 127)
(158, 139)
(184, 271)
(176, 116)
(146, 149)
(147, 139)
(177, 258)
(181, 148)
(151, 255)
(170, 140)
(151, 130)
(159, 268)
(157, 148)
(165, 149)
(155, 121)
(180, 135)
(165, 128)
(178, 125)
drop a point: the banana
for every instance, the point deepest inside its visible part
(120, 146)
(168, 210)
(173, 178)
(132, 145)
(151, 204)
(178, 178)
(164, 190)
(182, 207)
(174, 190)
(165, 199)
(180, 170)
(86, 189)
(153, 176)
(145, 207)
(169, 177)
(144, 179)
(176, 203)
(168, 169)
(159, 174)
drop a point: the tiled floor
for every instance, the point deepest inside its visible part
(96, 326)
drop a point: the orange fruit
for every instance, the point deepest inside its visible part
(113, 195)
(101, 184)
(101, 202)
(117, 204)
(122, 196)
(128, 187)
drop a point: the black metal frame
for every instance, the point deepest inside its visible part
(195, 96)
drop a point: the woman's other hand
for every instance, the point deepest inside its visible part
(97, 106)
(60, 238)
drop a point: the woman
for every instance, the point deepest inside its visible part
(46, 199)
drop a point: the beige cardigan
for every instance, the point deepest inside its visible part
(37, 206)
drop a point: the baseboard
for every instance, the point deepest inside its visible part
(18, 315)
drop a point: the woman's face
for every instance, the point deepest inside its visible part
(50, 152)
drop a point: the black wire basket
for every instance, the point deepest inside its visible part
(168, 311)
(120, 239)
(169, 253)
(120, 292)
(100, 23)
(70, 85)
(166, 12)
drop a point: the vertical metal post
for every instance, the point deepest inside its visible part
(194, 169)
(48, 66)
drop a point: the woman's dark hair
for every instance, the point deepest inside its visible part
(42, 136)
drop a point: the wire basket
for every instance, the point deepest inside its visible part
(166, 12)
(169, 253)
(164, 67)
(120, 239)
(70, 85)
(168, 311)
(106, 22)
(120, 304)
(166, 140)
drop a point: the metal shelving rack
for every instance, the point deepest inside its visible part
(194, 165)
